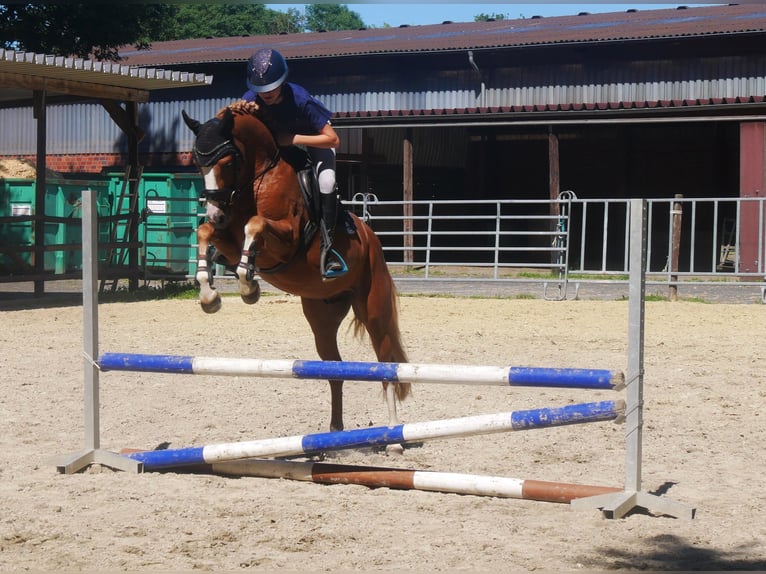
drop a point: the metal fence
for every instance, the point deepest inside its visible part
(560, 243)
(704, 240)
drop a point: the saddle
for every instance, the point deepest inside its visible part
(300, 161)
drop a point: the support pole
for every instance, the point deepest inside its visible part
(403, 479)
(38, 223)
(620, 504)
(381, 436)
(675, 243)
(408, 194)
(366, 371)
(91, 454)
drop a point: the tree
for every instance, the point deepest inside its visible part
(332, 17)
(227, 20)
(86, 30)
(195, 20)
(81, 30)
(487, 17)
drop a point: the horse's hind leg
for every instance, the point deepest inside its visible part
(325, 318)
(377, 311)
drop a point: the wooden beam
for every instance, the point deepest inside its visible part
(554, 168)
(41, 116)
(70, 87)
(124, 120)
(408, 193)
(752, 183)
(554, 177)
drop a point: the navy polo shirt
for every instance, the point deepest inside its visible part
(298, 112)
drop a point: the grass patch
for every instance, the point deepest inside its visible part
(169, 290)
(454, 296)
(664, 298)
(179, 290)
(655, 298)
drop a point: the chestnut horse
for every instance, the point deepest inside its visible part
(256, 220)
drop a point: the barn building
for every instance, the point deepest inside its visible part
(641, 103)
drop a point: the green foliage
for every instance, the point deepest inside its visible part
(487, 17)
(81, 30)
(216, 20)
(332, 17)
(227, 20)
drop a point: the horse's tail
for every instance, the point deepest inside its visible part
(384, 300)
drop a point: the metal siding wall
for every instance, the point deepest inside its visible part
(165, 121)
(80, 128)
(350, 141)
(87, 128)
(18, 131)
(83, 128)
(433, 146)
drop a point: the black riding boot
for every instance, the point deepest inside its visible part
(331, 264)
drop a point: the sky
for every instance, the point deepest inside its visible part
(396, 14)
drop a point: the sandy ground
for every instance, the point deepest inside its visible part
(704, 434)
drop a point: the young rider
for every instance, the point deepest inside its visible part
(302, 120)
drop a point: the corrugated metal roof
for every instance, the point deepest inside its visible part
(484, 112)
(587, 28)
(21, 72)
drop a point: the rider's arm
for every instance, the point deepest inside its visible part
(327, 138)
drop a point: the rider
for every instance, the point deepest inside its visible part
(301, 120)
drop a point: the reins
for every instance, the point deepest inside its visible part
(225, 198)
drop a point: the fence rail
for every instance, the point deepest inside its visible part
(719, 241)
(708, 240)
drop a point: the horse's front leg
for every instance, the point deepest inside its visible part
(209, 298)
(249, 289)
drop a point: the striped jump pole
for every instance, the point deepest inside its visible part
(366, 371)
(381, 436)
(405, 479)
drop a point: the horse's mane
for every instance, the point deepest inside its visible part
(244, 108)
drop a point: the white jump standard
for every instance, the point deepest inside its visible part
(614, 503)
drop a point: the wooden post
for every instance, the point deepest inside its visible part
(554, 169)
(553, 183)
(408, 195)
(677, 214)
(752, 183)
(133, 140)
(38, 224)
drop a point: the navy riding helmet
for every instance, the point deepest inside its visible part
(266, 70)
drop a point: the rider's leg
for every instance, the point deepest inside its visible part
(331, 264)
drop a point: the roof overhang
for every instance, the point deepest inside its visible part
(22, 73)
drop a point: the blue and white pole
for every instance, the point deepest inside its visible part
(367, 371)
(380, 436)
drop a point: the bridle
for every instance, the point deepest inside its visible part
(209, 156)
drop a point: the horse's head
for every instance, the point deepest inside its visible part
(219, 160)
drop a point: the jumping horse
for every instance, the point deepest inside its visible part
(258, 220)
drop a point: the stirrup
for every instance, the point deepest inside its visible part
(333, 273)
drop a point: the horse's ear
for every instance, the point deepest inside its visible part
(194, 125)
(227, 121)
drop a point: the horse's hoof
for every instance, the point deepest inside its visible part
(213, 307)
(394, 450)
(252, 297)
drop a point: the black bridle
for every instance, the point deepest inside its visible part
(225, 197)
(210, 156)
